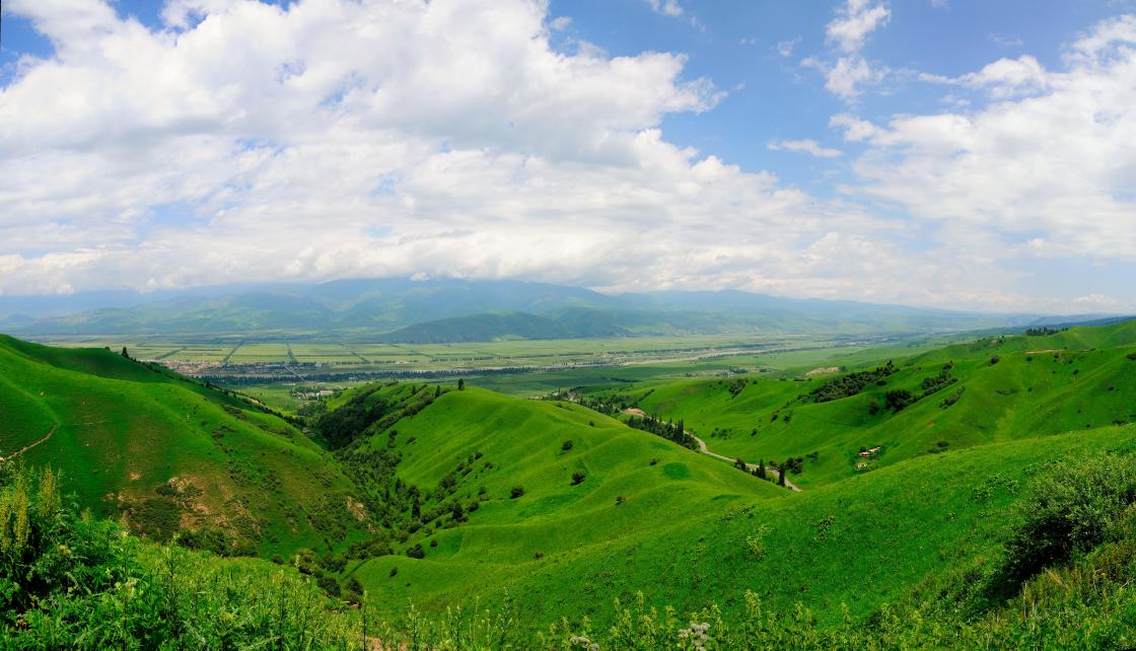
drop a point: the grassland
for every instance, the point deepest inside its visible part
(998, 388)
(860, 539)
(168, 452)
(631, 481)
(565, 509)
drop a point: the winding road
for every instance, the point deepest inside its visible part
(750, 467)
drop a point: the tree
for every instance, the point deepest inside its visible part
(578, 477)
(739, 464)
(781, 475)
(761, 470)
(437, 390)
(124, 353)
(461, 384)
(516, 492)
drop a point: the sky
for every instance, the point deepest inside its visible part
(950, 153)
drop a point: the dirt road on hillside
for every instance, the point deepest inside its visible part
(750, 467)
(29, 445)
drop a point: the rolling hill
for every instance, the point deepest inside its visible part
(168, 453)
(547, 509)
(994, 389)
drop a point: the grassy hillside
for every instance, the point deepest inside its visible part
(169, 453)
(584, 480)
(861, 543)
(542, 510)
(989, 390)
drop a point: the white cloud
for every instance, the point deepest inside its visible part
(333, 139)
(854, 22)
(666, 7)
(1047, 175)
(785, 48)
(807, 146)
(1002, 78)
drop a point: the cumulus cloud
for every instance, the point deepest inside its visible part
(246, 141)
(1003, 78)
(847, 33)
(807, 146)
(243, 141)
(854, 21)
(1047, 175)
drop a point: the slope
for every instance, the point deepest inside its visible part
(535, 480)
(860, 543)
(170, 454)
(993, 389)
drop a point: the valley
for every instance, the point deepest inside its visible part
(905, 465)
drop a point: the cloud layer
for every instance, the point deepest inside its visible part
(243, 141)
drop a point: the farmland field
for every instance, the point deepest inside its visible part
(276, 369)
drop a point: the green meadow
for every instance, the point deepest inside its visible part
(136, 439)
(918, 463)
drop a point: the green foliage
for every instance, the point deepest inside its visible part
(899, 399)
(1071, 508)
(851, 384)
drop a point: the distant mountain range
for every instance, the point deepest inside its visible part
(448, 310)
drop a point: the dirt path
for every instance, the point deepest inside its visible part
(29, 445)
(750, 467)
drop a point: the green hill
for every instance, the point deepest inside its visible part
(993, 389)
(168, 453)
(533, 479)
(470, 496)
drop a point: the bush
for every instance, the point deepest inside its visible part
(416, 551)
(578, 478)
(566, 445)
(516, 492)
(1069, 509)
(329, 585)
(898, 400)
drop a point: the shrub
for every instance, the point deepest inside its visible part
(416, 551)
(566, 445)
(898, 400)
(578, 477)
(516, 492)
(329, 585)
(1069, 509)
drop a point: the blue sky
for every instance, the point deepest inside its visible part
(953, 153)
